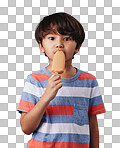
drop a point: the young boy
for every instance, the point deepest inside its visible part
(60, 109)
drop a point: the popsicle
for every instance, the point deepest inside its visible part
(58, 62)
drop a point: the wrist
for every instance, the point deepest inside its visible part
(45, 98)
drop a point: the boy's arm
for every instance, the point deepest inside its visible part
(94, 132)
(31, 120)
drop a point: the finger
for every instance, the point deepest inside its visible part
(58, 81)
(59, 85)
(56, 77)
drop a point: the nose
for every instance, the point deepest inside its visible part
(59, 44)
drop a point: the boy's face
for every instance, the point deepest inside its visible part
(54, 42)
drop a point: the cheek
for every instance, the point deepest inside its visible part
(71, 48)
(69, 53)
(72, 45)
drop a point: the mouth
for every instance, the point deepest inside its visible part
(59, 50)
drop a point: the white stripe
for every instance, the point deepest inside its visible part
(64, 91)
(95, 92)
(64, 128)
(32, 89)
(74, 92)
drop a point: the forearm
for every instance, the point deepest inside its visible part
(94, 132)
(94, 138)
(32, 119)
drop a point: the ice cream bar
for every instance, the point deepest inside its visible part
(58, 62)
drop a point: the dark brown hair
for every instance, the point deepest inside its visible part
(64, 23)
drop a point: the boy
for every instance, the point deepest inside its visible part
(60, 109)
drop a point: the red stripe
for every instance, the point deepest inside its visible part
(40, 77)
(25, 105)
(84, 76)
(38, 144)
(60, 110)
(97, 109)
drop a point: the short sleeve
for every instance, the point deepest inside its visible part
(96, 105)
(28, 98)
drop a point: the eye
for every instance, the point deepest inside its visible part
(67, 38)
(51, 38)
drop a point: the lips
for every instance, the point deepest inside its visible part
(59, 50)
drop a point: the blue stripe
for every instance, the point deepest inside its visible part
(78, 83)
(29, 97)
(20, 111)
(61, 137)
(95, 101)
(76, 118)
(62, 100)
(30, 80)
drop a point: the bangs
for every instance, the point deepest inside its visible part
(50, 30)
(56, 25)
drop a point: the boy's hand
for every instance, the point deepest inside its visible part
(53, 85)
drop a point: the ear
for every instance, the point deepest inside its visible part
(41, 47)
(77, 50)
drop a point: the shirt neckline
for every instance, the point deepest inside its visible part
(68, 79)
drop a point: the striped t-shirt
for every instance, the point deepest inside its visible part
(65, 123)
